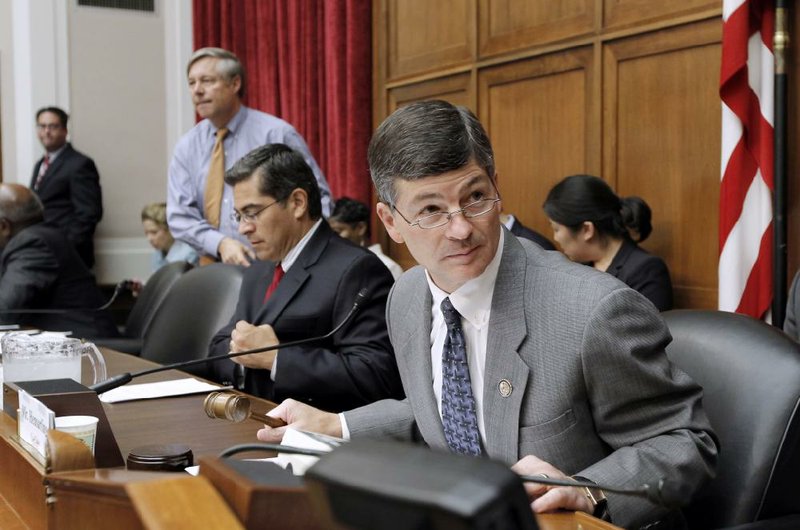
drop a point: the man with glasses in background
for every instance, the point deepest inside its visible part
(199, 205)
(67, 183)
(304, 283)
(511, 352)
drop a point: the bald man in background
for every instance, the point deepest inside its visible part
(40, 269)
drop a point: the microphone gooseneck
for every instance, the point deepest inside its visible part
(119, 380)
(124, 284)
(655, 493)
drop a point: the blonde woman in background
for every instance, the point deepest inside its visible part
(167, 248)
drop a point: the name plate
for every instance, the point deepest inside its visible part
(34, 419)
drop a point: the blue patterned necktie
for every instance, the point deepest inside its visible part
(459, 418)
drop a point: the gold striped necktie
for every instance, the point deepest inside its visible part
(212, 199)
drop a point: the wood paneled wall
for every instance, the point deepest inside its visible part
(624, 89)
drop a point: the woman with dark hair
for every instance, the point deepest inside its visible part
(594, 226)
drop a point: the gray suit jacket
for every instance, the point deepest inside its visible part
(593, 392)
(792, 305)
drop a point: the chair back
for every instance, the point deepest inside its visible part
(198, 305)
(750, 374)
(152, 296)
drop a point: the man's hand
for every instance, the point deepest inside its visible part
(301, 417)
(246, 336)
(550, 498)
(234, 252)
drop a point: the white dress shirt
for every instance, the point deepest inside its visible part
(473, 301)
(285, 264)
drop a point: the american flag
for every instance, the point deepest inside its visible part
(745, 209)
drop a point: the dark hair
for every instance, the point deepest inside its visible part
(581, 198)
(351, 212)
(637, 217)
(63, 117)
(280, 171)
(423, 139)
(228, 67)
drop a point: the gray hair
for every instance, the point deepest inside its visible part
(425, 139)
(228, 66)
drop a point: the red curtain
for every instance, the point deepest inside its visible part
(310, 63)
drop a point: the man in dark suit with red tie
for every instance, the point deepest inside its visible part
(303, 284)
(67, 183)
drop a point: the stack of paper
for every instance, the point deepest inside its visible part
(176, 387)
(304, 440)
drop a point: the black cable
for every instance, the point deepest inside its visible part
(124, 284)
(242, 448)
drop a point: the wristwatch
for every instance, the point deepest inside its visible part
(597, 498)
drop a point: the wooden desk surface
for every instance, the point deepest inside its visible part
(156, 421)
(171, 420)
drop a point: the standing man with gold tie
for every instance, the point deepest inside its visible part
(199, 204)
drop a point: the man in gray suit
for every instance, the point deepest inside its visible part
(511, 352)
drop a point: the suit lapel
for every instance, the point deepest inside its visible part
(506, 376)
(295, 277)
(36, 172)
(413, 350)
(52, 171)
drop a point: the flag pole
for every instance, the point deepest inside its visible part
(779, 275)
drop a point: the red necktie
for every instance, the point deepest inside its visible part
(276, 278)
(42, 170)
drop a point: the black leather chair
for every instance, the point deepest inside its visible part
(750, 374)
(198, 305)
(147, 303)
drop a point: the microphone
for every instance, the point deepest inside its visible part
(659, 493)
(119, 380)
(124, 284)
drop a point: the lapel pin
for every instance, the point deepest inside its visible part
(505, 388)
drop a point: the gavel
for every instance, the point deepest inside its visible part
(236, 408)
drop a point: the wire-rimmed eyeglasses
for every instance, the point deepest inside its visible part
(249, 217)
(435, 220)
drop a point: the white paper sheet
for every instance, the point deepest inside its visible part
(304, 440)
(176, 387)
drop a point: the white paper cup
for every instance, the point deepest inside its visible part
(84, 428)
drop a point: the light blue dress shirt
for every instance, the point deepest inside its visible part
(179, 251)
(189, 167)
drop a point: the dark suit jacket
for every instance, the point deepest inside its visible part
(643, 272)
(520, 230)
(354, 367)
(39, 269)
(73, 203)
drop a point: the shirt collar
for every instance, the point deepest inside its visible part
(473, 300)
(292, 255)
(54, 154)
(509, 221)
(233, 125)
